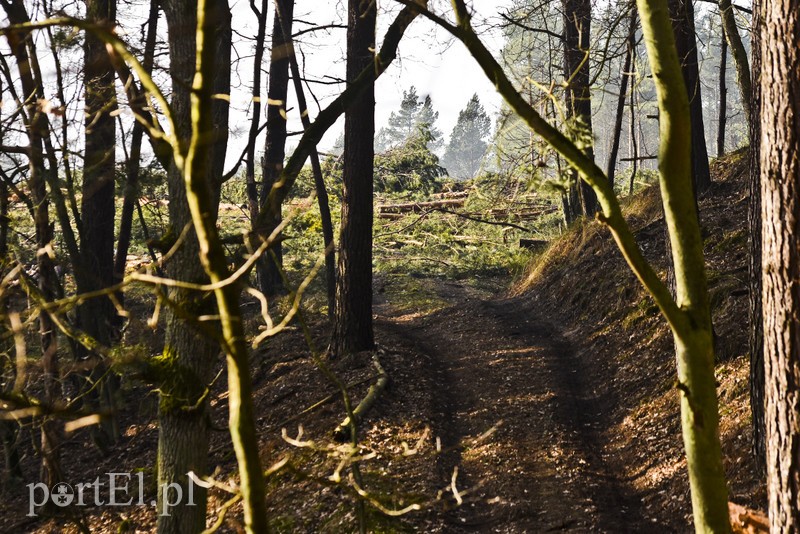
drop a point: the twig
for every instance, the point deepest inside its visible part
(484, 221)
(318, 404)
(369, 400)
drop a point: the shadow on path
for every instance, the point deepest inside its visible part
(495, 364)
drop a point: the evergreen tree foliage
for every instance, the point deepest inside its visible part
(414, 113)
(409, 166)
(402, 122)
(426, 120)
(467, 146)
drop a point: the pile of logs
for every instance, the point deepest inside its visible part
(446, 202)
(523, 212)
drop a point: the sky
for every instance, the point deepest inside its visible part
(428, 58)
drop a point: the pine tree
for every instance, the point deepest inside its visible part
(426, 122)
(467, 147)
(403, 122)
(414, 115)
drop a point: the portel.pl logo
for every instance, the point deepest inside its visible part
(111, 490)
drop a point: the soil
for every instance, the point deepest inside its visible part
(500, 366)
(547, 408)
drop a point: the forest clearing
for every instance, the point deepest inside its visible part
(399, 266)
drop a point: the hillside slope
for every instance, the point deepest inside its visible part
(582, 281)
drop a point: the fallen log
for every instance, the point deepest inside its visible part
(451, 194)
(391, 216)
(470, 217)
(420, 206)
(524, 213)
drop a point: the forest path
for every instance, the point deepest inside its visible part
(496, 364)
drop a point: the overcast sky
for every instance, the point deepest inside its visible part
(428, 59)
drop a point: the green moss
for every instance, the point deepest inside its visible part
(180, 387)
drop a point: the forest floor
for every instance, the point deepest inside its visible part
(543, 405)
(500, 365)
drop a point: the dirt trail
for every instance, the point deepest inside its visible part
(495, 363)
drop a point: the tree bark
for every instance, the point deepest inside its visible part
(132, 166)
(780, 212)
(734, 40)
(202, 201)
(319, 181)
(188, 357)
(97, 213)
(756, 337)
(23, 49)
(577, 97)
(723, 96)
(268, 267)
(623, 88)
(352, 327)
(682, 13)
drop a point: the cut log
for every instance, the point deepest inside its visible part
(524, 214)
(391, 216)
(640, 158)
(420, 206)
(451, 194)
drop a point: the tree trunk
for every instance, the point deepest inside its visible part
(202, 201)
(731, 32)
(633, 142)
(189, 355)
(693, 332)
(132, 166)
(623, 88)
(723, 96)
(23, 48)
(682, 13)
(578, 99)
(756, 338)
(97, 209)
(250, 161)
(352, 327)
(316, 169)
(268, 268)
(780, 212)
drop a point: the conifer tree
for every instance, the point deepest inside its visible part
(467, 146)
(415, 114)
(426, 122)
(403, 121)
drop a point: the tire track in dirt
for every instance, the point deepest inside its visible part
(496, 363)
